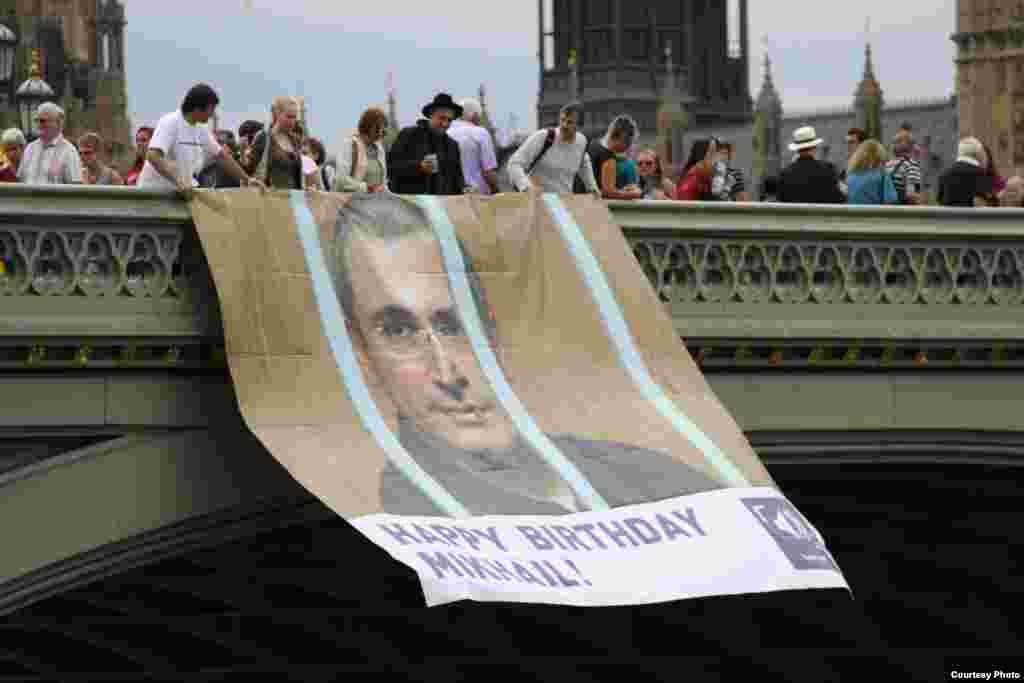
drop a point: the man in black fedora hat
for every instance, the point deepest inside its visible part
(423, 159)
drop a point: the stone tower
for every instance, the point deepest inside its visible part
(767, 141)
(990, 78)
(867, 99)
(618, 48)
(672, 118)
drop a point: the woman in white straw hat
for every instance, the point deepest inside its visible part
(808, 180)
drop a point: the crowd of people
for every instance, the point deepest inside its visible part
(448, 151)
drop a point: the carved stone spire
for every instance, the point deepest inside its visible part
(768, 100)
(767, 126)
(867, 99)
(392, 104)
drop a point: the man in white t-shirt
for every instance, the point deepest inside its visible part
(550, 158)
(180, 147)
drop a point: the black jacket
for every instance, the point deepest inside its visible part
(809, 181)
(961, 183)
(621, 473)
(411, 145)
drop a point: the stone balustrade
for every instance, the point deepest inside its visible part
(115, 277)
(788, 285)
(102, 277)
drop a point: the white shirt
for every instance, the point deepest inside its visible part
(55, 163)
(558, 167)
(477, 152)
(183, 143)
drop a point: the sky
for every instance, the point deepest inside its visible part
(339, 55)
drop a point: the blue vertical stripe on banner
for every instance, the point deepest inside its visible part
(333, 320)
(630, 359)
(524, 423)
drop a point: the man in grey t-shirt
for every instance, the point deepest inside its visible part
(550, 165)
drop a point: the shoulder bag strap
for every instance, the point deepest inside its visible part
(548, 141)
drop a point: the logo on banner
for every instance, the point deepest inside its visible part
(795, 537)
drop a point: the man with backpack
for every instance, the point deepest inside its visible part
(551, 158)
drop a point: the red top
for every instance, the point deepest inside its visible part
(8, 174)
(132, 176)
(695, 185)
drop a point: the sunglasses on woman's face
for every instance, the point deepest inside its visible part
(645, 163)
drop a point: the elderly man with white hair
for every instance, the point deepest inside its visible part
(50, 159)
(965, 183)
(479, 163)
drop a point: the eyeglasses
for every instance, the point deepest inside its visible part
(645, 163)
(404, 341)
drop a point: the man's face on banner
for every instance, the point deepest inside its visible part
(413, 341)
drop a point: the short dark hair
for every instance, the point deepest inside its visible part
(388, 217)
(572, 108)
(857, 133)
(199, 97)
(249, 128)
(146, 129)
(623, 128)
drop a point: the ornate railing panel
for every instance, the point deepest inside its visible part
(116, 278)
(102, 277)
(785, 285)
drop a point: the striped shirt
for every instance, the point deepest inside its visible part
(906, 174)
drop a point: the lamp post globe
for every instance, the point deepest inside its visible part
(30, 94)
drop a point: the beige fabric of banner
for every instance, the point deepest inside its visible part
(550, 341)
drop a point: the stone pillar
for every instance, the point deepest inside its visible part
(744, 53)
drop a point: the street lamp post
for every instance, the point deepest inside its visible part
(8, 47)
(31, 93)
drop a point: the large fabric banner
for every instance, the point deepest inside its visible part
(489, 389)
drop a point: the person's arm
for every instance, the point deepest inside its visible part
(983, 191)
(912, 174)
(400, 160)
(889, 195)
(523, 157)
(838, 196)
(73, 167)
(228, 163)
(168, 169)
(586, 172)
(721, 182)
(115, 178)
(489, 162)
(345, 181)
(608, 189)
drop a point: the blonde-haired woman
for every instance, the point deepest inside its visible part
(279, 163)
(866, 178)
(361, 160)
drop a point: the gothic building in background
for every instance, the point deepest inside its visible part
(81, 51)
(990, 77)
(627, 52)
(761, 148)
